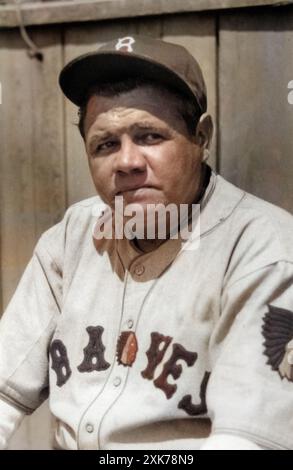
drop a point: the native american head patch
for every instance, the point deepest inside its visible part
(278, 333)
(126, 348)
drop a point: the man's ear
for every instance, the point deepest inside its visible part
(204, 131)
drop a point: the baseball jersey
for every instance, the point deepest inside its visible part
(158, 350)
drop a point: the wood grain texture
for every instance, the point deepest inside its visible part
(32, 172)
(198, 34)
(256, 120)
(37, 13)
(32, 150)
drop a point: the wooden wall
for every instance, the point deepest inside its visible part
(247, 61)
(255, 118)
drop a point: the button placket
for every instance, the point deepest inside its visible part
(134, 294)
(117, 381)
(89, 428)
(89, 432)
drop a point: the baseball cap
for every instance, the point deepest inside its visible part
(135, 57)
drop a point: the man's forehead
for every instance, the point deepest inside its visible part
(122, 119)
(142, 97)
(104, 113)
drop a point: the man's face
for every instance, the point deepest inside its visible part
(139, 148)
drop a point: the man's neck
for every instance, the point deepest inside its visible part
(146, 245)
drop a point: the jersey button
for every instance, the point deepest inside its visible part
(89, 428)
(117, 381)
(139, 270)
(130, 323)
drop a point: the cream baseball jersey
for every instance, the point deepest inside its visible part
(159, 349)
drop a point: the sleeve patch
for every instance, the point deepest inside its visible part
(278, 333)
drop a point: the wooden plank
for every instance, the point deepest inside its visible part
(198, 34)
(150, 26)
(11, 2)
(256, 120)
(1, 205)
(32, 169)
(32, 149)
(1, 292)
(37, 13)
(17, 216)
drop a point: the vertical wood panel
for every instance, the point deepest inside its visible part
(256, 121)
(32, 171)
(31, 148)
(198, 34)
(17, 205)
(150, 26)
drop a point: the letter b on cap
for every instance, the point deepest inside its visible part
(125, 44)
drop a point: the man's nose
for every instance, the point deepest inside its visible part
(129, 157)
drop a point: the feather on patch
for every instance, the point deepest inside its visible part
(278, 333)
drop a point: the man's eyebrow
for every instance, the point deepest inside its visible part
(147, 125)
(103, 134)
(97, 138)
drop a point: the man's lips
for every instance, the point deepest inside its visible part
(133, 188)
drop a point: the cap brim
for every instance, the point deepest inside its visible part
(82, 73)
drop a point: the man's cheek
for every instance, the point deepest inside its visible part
(103, 188)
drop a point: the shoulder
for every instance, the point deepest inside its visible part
(75, 227)
(268, 222)
(259, 233)
(250, 210)
(81, 212)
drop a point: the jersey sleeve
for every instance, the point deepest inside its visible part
(10, 419)
(250, 392)
(25, 331)
(228, 442)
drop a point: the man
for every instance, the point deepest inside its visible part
(150, 342)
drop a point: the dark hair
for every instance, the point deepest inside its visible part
(189, 111)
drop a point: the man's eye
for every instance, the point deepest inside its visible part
(105, 146)
(152, 137)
